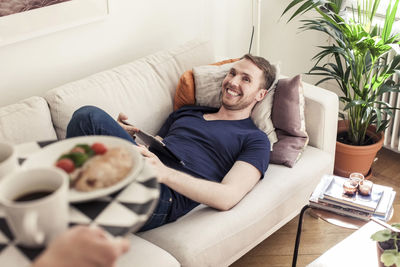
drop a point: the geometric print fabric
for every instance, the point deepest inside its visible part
(120, 213)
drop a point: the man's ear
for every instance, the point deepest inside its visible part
(261, 94)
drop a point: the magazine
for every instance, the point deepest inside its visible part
(334, 192)
(345, 205)
(319, 190)
(386, 201)
(350, 212)
(382, 211)
(384, 204)
(341, 210)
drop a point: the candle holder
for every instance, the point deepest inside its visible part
(357, 183)
(349, 187)
(365, 187)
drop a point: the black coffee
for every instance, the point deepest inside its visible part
(32, 196)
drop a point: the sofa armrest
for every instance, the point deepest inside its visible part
(321, 114)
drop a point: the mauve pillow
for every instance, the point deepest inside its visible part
(288, 119)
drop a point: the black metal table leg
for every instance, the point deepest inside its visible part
(299, 225)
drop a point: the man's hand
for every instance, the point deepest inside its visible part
(132, 130)
(84, 247)
(162, 171)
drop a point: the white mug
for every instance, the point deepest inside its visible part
(8, 159)
(34, 220)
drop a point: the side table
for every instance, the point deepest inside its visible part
(298, 235)
(358, 249)
(327, 216)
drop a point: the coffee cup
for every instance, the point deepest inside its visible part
(8, 159)
(35, 202)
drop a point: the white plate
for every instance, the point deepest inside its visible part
(49, 155)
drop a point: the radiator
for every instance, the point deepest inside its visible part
(392, 133)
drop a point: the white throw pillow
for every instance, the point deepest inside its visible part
(208, 82)
(26, 121)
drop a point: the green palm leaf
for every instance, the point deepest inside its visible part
(383, 126)
(292, 4)
(324, 80)
(307, 6)
(362, 59)
(354, 103)
(389, 20)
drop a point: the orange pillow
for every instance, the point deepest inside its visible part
(184, 93)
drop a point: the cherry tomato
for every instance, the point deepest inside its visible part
(99, 148)
(66, 164)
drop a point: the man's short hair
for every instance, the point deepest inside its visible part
(267, 69)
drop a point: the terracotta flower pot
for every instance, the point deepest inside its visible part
(380, 251)
(349, 158)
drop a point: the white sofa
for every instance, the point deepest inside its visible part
(144, 90)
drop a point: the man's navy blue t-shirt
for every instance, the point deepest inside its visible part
(209, 148)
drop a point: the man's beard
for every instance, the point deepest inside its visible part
(237, 106)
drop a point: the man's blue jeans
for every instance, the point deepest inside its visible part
(90, 120)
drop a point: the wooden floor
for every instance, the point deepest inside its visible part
(318, 235)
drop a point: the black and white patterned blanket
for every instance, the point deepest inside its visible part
(120, 213)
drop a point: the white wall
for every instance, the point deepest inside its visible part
(283, 42)
(136, 28)
(133, 29)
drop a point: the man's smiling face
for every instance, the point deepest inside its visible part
(241, 86)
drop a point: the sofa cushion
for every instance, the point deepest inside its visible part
(144, 253)
(208, 83)
(289, 122)
(184, 94)
(185, 90)
(145, 84)
(26, 121)
(261, 114)
(207, 237)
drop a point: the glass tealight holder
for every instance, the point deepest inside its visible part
(356, 178)
(349, 187)
(365, 187)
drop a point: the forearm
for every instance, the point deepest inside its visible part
(240, 179)
(216, 195)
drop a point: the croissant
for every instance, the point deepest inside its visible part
(104, 170)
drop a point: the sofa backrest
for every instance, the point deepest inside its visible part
(142, 89)
(25, 121)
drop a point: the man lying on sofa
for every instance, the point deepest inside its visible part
(224, 153)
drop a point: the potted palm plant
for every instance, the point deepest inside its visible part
(388, 244)
(362, 58)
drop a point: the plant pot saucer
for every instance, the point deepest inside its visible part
(368, 175)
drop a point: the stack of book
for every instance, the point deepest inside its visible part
(329, 195)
